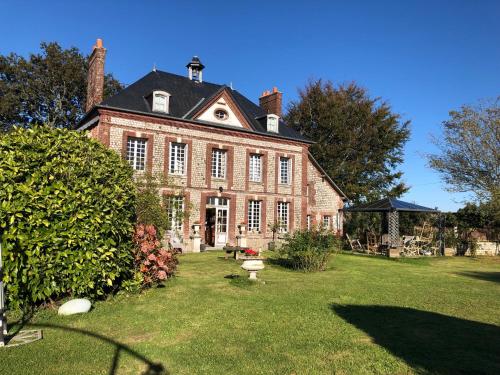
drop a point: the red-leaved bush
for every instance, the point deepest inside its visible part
(155, 263)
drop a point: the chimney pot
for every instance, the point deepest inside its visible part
(271, 102)
(98, 43)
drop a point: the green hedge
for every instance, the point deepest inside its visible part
(66, 215)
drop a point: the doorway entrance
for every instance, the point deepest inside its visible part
(216, 221)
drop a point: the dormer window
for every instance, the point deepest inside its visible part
(161, 101)
(272, 123)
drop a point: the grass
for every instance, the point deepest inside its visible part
(362, 315)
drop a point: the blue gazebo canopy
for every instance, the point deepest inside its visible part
(389, 205)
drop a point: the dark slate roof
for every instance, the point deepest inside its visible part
(389, 204)
(186, 97)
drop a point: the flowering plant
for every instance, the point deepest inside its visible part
(250, 252)
(155, 263)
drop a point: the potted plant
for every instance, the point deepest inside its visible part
(274, 227)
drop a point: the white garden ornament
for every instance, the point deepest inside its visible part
(75, 306)
(252, 266)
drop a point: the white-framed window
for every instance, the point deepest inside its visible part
(136, 153)
(219, 163)
(272, 123)
(285, 171)
(177, 158)
(221, 114)
(283, 216)
(327, 222)
(255, 168)
(161, 101)
(308, 222)
(254, 212)
(174, 204)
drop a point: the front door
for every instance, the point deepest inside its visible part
(217, 212)
(221, 226)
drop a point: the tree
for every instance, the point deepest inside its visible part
(359, 141)
(48, 88)
(66, 215)
(470, 151)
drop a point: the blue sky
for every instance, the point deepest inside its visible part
(423, 57)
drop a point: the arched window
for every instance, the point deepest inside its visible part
(161, 101)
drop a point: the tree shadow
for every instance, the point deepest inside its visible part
(427, 341)
(152, 368)
(488, 276)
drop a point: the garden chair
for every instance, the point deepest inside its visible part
(411, 246)
(371, 243)
(354, 244)
(175, 243)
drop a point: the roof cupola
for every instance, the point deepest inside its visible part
(195, 68)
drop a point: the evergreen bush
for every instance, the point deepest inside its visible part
(66, 216)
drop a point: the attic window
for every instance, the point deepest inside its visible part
(272, 123)
(161, 101)
(221, 114)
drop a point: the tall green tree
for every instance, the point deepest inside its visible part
(469, 158)
(359, 140)
(47, 88)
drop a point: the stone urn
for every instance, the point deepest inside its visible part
(196, 229)
(253, 266)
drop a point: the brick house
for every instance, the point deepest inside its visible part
(234, 161)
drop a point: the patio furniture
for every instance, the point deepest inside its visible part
(411, 246)
(175, 243)
(372, 245)
(235, 250)
(354, 244)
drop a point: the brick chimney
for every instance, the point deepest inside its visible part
(95, 76)
(271, 102)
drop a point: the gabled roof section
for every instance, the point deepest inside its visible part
(188, 97)
(222, 99)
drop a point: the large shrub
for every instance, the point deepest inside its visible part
(66, 215)
(308, 250)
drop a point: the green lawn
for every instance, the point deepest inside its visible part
(362, 315)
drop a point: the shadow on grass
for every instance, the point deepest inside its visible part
(119, 348)
(280, 262)
(488, 276)
(429, 342)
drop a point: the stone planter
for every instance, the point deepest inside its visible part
(253, 266)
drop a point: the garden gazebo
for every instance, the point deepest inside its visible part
(392, 207)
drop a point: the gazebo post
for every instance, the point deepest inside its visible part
(393, 224)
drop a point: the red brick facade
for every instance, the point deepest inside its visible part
(307, 194)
